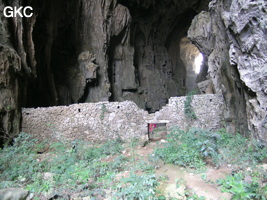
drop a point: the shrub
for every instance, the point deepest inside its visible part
(19, 161)
(136, 187)
(188, 109)
(189, 148)
(71, 165)
(241, 189)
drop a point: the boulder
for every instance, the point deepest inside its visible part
(14, 194)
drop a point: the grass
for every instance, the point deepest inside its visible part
(195, 147)
(243, 189)
(75, 167)
(71, 169)
(93, 169)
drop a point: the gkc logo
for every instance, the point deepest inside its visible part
(20, 11)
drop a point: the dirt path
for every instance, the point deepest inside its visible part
(200, 184)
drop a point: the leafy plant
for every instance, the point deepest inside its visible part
(188, 109)
(188, 148)
(145, 166)
(195, 147)
(112, 147)
(246, 184)
(240, 151)
(21, 165)
(12, 157)
(235, 184)
(136, 187)
(103, 111)
(195, 197)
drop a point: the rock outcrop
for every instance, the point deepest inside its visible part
(232, 35)
(13, 194)
(15, 71)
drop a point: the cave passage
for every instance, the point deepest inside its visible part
(193, 60)
(142, 53)
(198, 62)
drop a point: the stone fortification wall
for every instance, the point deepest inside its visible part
(208, 108)
(109, 120)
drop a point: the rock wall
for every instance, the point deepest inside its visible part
(14, 72)
(110, 120)
(135, 46)
(232, 35)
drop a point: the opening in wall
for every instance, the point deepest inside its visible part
(198, 63)
(192, 59)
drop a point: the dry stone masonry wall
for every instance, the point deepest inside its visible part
(208, 109)
(110, 120)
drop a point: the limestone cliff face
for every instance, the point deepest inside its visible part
(233, 37)
(16, 68)
(134, 48)
(90, 51)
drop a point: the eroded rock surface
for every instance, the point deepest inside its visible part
(12, 71)
(232, 35)
(13, 194)
(135, 44)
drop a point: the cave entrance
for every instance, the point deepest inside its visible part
(192, 59)
(198, 63)
(146, 58)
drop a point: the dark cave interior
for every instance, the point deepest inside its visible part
(154, 41)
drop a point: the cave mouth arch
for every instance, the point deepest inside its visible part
(198, 62)
(137, 46)
(193, 61)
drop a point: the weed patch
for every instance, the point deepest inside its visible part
(195, 147)
(70, 168)
(243, 189)
(188, 148)
(240, 151)
(188, 109)
(137, 187)
(93, 169)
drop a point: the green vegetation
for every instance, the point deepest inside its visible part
(240, 151)
(137, 187)
(189, 148)
(75, 167)
(243, 189)
(103, 111)
(71, 169)
(196, 147)
(102, 169)
(188, 109)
